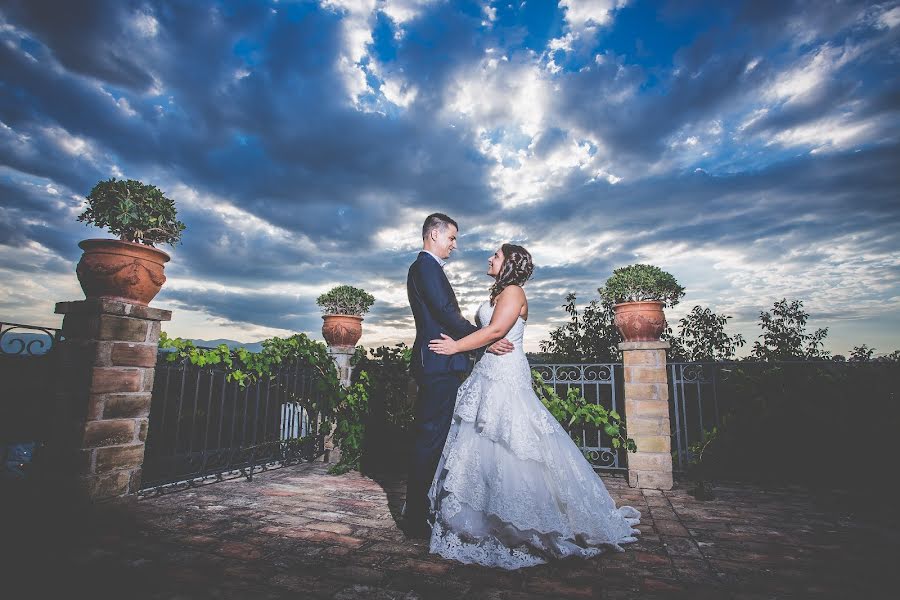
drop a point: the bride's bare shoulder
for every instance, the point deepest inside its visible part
(512, 294)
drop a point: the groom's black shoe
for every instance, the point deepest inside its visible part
(417, 529)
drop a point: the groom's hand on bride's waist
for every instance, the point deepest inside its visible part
(501, 347)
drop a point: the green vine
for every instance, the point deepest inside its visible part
(574, 411)
(350, 425)
(245, 367)
(347, 409)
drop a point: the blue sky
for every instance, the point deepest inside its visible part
(752, 149)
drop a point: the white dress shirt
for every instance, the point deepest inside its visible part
(439, 260)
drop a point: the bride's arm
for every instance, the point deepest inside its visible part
(507, 308)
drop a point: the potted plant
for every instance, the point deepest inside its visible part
(129, 268)
(343, 307)
(638, 294)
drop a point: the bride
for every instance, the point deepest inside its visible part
(512, 489)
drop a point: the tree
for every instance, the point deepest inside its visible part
(861, 354)
(784, 335)
(893, 357)
(590, 336)
(703, 337)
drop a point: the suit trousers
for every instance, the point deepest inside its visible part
(434, 411)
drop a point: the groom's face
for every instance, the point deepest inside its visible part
(445, 241)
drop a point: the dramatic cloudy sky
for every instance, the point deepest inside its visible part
(751, 148)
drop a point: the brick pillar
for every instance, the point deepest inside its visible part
(103, 402)
(341, 356)
(647, 414)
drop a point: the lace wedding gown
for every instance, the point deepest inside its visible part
(511, 489)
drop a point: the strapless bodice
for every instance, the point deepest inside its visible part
(515, 335)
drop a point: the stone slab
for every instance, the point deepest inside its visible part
(629, 346)
(112, 307)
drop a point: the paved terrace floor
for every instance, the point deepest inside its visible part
(298, 532)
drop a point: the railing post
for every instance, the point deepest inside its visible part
(647, 414)
(103, 400)
(341, 356)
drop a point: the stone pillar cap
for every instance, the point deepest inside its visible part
(340, 349)
(107, 306)
(656, 345)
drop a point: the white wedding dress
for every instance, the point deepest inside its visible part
(511, 489)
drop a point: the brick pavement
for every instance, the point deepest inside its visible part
(297, 532)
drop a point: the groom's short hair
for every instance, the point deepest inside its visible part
(439, 221)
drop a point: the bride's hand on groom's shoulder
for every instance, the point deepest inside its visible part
(501, 347)
(445, 345)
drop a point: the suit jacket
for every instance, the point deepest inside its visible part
(436, 311)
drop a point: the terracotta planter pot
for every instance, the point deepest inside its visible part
(640, 321)
(341, 330)
(121, 270)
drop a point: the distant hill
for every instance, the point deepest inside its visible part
(12, 343)
(251, 346)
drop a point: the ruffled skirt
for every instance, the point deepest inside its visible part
(512, 489)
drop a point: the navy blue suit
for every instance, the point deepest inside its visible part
(436, 311)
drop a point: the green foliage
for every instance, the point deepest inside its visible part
(350, 425)
(133, 211)
(784, 334)
(698, 468)
(574, 411)
(245, 367)
(789, 422)
(641, 282)
(590, 336)
(703, 338)
(861, 353)
(893, 357)
(345, 300)
(381, 379)
(388, 370)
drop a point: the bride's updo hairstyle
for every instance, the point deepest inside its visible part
(516, 270)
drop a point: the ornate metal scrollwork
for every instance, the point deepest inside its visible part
(545, 371)
(27, 340)
(568, 373)
(693, 373)
(600, 457)
(595, 373)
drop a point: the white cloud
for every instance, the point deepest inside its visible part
(401, 11)
(496, 93)
(830, 133)
(582, 18)
(145, 24)
(398, 92)
(890, 18)
(490, 13)
(356, 26)
(355, 81)
(70, 144)
(803, 80)
(580, 14)
(237, 222)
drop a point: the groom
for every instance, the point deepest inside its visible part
(436, 311)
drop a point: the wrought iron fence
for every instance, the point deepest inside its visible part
(21, 340)
(787, 418)
(693, 404)
(203, 427)
(27, 372)
(598, 383)
(27, 364)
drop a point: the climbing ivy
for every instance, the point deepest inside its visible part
(574, 411)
